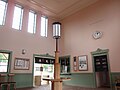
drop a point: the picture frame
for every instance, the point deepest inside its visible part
(21, 64)
(83, 63)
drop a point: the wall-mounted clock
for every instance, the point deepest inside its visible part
(97, 34)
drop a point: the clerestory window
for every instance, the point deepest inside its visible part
(44, 26)
(3, 9)
(17, 18)
(32, 22)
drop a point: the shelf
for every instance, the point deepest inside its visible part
(65, 73)
(101, 63)
(64, 64)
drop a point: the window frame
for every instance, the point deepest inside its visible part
(9, 59)
(34, 23)
(21, 16)
(5, 12)
(46, 26)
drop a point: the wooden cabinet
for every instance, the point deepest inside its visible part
(101, 67)
(101, 63)
(64, 64)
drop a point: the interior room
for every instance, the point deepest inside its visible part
(59, 44)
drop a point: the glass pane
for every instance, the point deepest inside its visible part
(2, 12)
(3, 68)
(17, 19)
(4, 62)
(4, 56)
(32, 22)
(44, 26)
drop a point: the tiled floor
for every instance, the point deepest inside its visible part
(47, 87)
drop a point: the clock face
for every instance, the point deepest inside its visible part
(97, 35)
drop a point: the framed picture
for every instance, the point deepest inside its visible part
(83, 63)
(21, 64)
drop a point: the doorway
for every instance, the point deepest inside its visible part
(101, 71)
(43, 68)
(101, 68)
(43, 71)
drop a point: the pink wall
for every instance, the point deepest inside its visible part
(14, 40)
(76, 37)
(77, 32)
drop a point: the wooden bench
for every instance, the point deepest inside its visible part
(3, 81)
(117, 83)
(11, 81)
(7, 82)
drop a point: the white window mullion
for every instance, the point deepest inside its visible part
(46, 26)
(34, 23)
(5, 10)
(21, 20)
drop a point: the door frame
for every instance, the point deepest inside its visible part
(47, 55)
(9, 60)
(100, 52)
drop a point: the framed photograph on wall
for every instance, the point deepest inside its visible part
(83, 63)
(21, 64)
